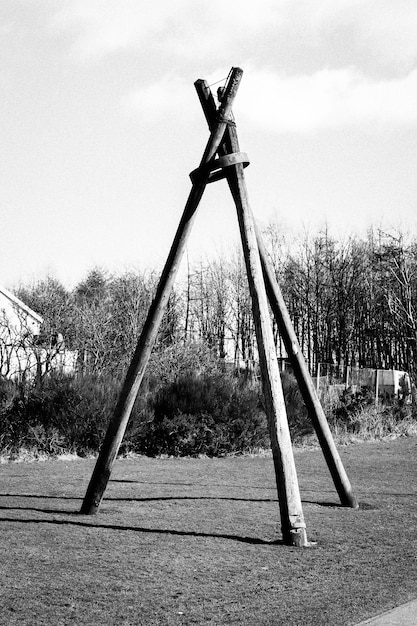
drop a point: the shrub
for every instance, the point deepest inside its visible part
(214, 414)
(357, 416)
(197, 408)
(178, 360)
(67, 414)
(351, 404)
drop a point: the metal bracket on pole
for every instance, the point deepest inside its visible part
(216, 170)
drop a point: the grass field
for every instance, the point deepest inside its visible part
(197, 541)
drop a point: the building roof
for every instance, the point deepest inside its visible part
(21, 305)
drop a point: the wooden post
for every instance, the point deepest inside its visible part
(118, 423)
(347, 377)
(286, 329)
(292, 518)
(318, 377)
(308, 392)
(376, 387)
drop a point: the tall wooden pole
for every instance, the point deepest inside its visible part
(119, 421)
(279, 309)
(308, 392)
(291, 512)
(292, 518)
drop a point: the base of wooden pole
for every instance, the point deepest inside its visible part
(351, 501)
(298, 538)
(89, 508)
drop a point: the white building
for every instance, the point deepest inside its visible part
(19, 325)
(20, 356)
(19, 318)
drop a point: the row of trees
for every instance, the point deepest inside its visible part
(352, 302)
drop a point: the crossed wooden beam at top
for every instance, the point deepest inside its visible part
(229, 164)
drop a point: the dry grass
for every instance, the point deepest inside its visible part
(196, 541)
(373, 424)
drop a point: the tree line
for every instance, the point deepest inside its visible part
(352, 302)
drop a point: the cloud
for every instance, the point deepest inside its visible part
(322, 65)
(291, 104)
(100, 27)
(325, 99)
(170, 95)
(343, 32)
(384, 32)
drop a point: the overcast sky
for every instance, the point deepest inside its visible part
(100, 124)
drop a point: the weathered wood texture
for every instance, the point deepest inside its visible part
(292, 518)
(308, 392)
(119, 421)
(285, 326)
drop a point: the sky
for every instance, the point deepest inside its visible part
(101, 125)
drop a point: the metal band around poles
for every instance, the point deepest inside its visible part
(215, 170)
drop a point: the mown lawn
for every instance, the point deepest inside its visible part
(196, 541)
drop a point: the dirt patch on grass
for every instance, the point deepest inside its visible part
(197, 541)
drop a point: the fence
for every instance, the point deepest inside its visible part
(387, 385)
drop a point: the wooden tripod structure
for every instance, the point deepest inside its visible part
(230, 164)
